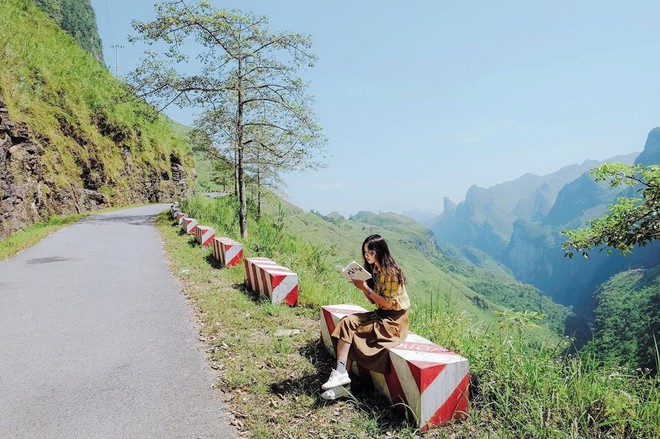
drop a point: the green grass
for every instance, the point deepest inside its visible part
(521, 385)
(272, 383)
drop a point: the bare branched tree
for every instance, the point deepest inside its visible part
(254, 106)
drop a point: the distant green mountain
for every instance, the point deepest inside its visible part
(434, 276)
(627, 318)
(485, 218)
(518, 224)
(77, 17)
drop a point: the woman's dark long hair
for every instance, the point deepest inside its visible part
(388, 265)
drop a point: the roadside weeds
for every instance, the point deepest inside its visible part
(270, 382)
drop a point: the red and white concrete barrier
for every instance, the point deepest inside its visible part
(281, 285)
(424, 378)
(250, 272)
(227, 251)
(189, 225)
(258, 267)
(272, 280)
(180, 216)
(204, 235)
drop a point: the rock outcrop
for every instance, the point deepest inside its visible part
(21, 176)
(29, 192)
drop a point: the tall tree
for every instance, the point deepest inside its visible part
(246, 84)
(633, 220)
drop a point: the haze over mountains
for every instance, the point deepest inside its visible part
(519, 223)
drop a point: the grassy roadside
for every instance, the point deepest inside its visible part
(272, 382)
(520, 386)
(25, 238)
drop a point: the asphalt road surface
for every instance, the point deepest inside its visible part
(97, 341)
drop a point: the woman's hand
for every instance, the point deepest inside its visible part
(360, 284)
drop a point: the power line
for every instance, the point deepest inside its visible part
(117, 47)
(110, 22)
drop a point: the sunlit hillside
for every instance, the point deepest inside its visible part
(78, 138)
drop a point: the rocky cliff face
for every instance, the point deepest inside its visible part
(651, 153)
(21, 176)
(29, 192)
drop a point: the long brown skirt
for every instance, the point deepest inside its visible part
(370, 333)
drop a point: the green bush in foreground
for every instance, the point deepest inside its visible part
(518, 388)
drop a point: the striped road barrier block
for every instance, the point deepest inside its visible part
(180, 216)
(272, 280)
(232, 252)
(188, 225)
(174, 213)
(426, 380)
(204, 235)
(250, 277)
(215, 247)
(253, 273)
(227, 251)
(258, 274)
(281, 285)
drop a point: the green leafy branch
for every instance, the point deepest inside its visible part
(631, 220)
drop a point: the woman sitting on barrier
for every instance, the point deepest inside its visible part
(365, 337)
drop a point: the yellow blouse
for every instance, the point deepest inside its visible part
(389, 288)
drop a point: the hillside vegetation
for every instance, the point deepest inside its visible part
(519, 224)
(626, 319)
(522, 385)
(77, 17)
(73, 138)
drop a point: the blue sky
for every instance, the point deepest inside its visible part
(422, 99)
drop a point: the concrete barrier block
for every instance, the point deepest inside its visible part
(281, 285)
(227, 251)
(188, 225)
(204, 235)
(258, 276)
(270, 279)
(232, 253)
(427, 380)
(250, 277)
(180, 216)
(215, 246)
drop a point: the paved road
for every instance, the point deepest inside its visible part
(96, 340)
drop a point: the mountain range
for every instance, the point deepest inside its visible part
(518, 224)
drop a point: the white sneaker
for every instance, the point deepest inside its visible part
(336, 392)
(336, 379)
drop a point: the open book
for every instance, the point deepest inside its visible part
(354, 271)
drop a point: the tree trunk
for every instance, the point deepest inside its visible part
(241, 190)
(258, 190)
(236, 171)
(240, 175)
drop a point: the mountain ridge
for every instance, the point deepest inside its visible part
(523, 232)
